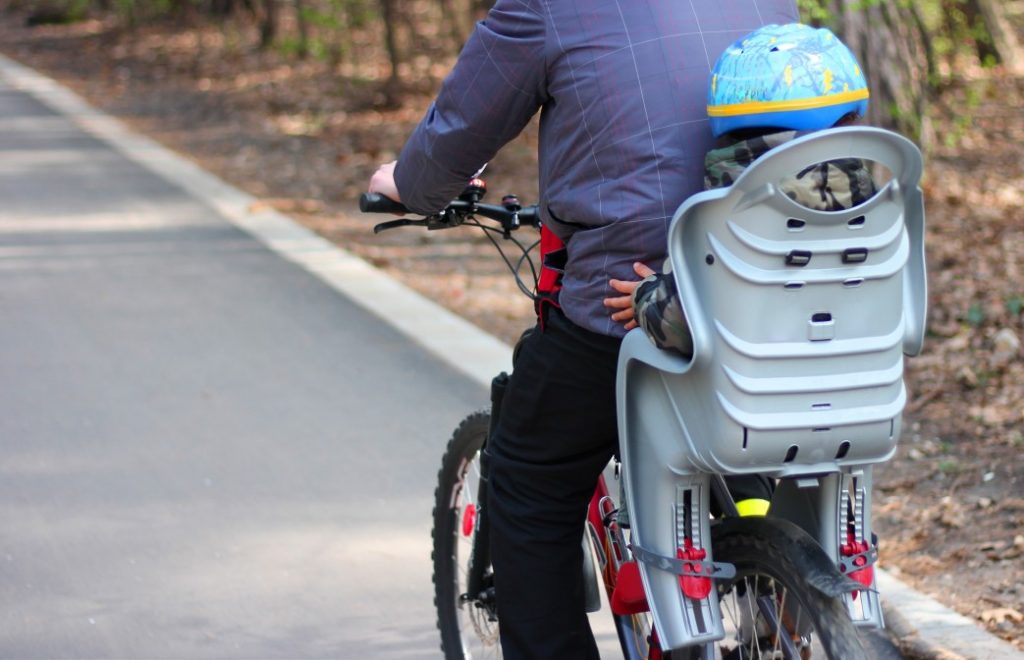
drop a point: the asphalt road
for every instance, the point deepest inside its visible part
(204, 451)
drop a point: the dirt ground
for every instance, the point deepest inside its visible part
(949, 509)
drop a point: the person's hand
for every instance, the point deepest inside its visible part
(383, 181)
(624, 303)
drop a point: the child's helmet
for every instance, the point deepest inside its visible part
(785, 76)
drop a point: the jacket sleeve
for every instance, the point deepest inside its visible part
(498, 83)
(658, 311)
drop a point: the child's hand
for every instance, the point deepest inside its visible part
(624, 303)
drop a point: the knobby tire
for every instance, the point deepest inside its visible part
(466, 629)
(766, 564)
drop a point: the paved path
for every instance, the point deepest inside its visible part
(204, 450)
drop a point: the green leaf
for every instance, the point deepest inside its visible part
(975, 315)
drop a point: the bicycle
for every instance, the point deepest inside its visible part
(796, 583)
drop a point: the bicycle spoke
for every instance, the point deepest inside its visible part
(731, 611)
(784, 615)
(753, 617)
(797, 631)
(780, 628)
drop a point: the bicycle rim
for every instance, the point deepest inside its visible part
(468, 625)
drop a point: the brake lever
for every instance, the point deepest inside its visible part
(447, 219)
(395, 224)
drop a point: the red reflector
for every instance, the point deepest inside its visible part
(469, 520)
(629, 597)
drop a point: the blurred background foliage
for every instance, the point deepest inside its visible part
(912, 51)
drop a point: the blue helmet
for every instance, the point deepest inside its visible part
(785, 76)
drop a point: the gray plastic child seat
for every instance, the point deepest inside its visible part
(800, 320)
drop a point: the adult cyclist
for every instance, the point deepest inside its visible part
(623, 133)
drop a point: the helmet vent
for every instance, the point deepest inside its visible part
(794, 224)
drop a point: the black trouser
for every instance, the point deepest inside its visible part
(556, 434)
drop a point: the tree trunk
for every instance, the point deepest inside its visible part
(1004, 38)
(222, 8)
(303, 24)
(479, 9)
(979, 32)
(456, 18)
(891, 48)
(389, 12)
(268, 24)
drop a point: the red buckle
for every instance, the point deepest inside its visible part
(693, 586)
(865, 575)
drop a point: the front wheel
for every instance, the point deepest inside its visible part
(769, 608)
(468, 622)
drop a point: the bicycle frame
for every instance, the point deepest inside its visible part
(609, 546)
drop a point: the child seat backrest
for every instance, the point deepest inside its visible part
(800, 318)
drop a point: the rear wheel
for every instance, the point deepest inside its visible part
(770, 608)
(468, 622)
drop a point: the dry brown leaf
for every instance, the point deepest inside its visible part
(1000, 614)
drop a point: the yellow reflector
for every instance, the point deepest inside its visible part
(753, 507)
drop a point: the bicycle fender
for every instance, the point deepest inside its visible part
(822, 573)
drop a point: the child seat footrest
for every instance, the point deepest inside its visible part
(685, 567)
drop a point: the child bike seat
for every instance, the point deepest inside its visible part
(800, 320)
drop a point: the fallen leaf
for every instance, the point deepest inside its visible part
(1000, 614)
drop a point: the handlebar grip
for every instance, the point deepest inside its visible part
(377, 203)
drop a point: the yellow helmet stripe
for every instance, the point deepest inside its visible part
(758, 107)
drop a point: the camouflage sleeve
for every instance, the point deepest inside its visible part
(659, 313)
(832, 186)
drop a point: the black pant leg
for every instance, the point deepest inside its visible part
(556, 434)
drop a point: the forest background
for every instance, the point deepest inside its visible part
(297, 101)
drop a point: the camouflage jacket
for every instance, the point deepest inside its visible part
(831, 186)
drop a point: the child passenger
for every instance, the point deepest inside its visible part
(776, 84)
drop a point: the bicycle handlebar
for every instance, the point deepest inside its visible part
(509, 214)
(377, 203)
